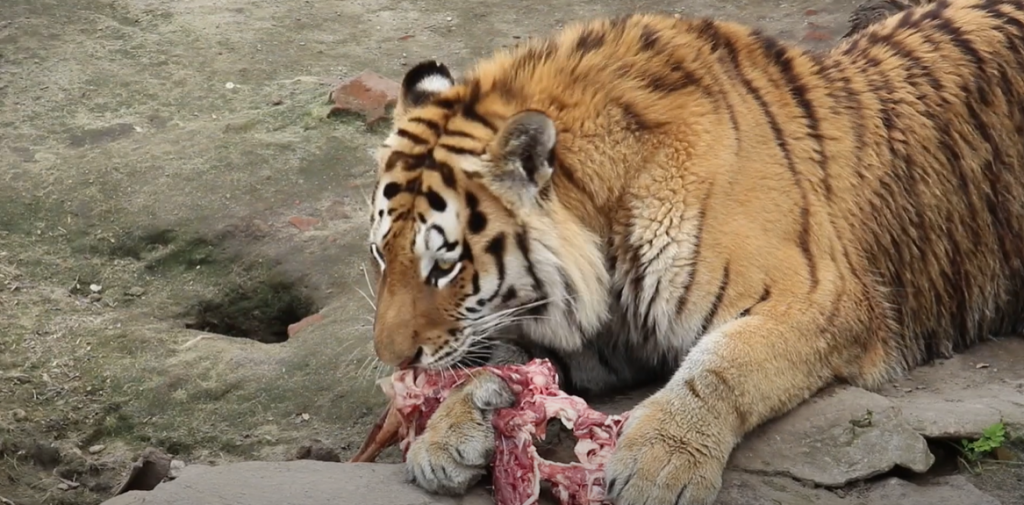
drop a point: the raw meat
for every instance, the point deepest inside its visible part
(517, 468)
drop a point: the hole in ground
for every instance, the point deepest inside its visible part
(261, 311)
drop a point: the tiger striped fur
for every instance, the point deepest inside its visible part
(651, 198)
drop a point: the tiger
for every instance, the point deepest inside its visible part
(694, 204)
(874, 11)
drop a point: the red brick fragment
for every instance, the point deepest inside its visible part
(295, 328)
(303, 223)
(367, 94)
(817, 36)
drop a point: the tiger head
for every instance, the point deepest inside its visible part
(457, 173)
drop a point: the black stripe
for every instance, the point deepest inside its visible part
(446, 103)
(644, 272)
(648, 39)
(779, 54)
(397, 157)
(765, 295)
(447, 175)
(590, 40)
(496, 249)
(431, 125)
(538, 287)
(459, 150)
(411, 137)
(459, 134)
(685, 296)
(723, 285)
(711, 33)
(635, 121)
(469, 108)
(966, 47)
(675, 78)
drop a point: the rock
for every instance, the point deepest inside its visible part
(295, 328)
(317, 451)
(96, 449)
(837, 437)
(368, 94)
(942, 490)
(939, 416)
(135, 291)
(303, 223)
(321, 483)
(177, 466)
(294, 483)
(152, 467)
(739, 488)
(956, 399)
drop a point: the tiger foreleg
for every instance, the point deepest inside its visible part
(674, 447)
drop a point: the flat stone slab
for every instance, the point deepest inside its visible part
(320, 483)
(960, 397)
(293, 483)
(838, 437)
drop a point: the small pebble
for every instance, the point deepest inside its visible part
(96, 449)
(95, 297)
(135, 291)
(95, 288)
(230, 85)
(18, 415)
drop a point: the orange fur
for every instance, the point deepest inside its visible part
(756, 219)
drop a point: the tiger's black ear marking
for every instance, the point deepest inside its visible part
(525, 154)
(423, 81)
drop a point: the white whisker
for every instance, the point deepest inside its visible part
(366, 275)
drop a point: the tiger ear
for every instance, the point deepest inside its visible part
(421, 83)
(524, 155)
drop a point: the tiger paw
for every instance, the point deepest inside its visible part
(667, 457)
(454, 450)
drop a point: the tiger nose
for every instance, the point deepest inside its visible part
(401, 351)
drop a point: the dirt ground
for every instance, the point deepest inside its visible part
(151, 155)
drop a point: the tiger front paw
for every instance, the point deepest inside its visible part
(454, 450)
(669, 454)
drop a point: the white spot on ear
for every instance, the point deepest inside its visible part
(434, 84)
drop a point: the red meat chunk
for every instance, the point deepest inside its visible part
(517, 468)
